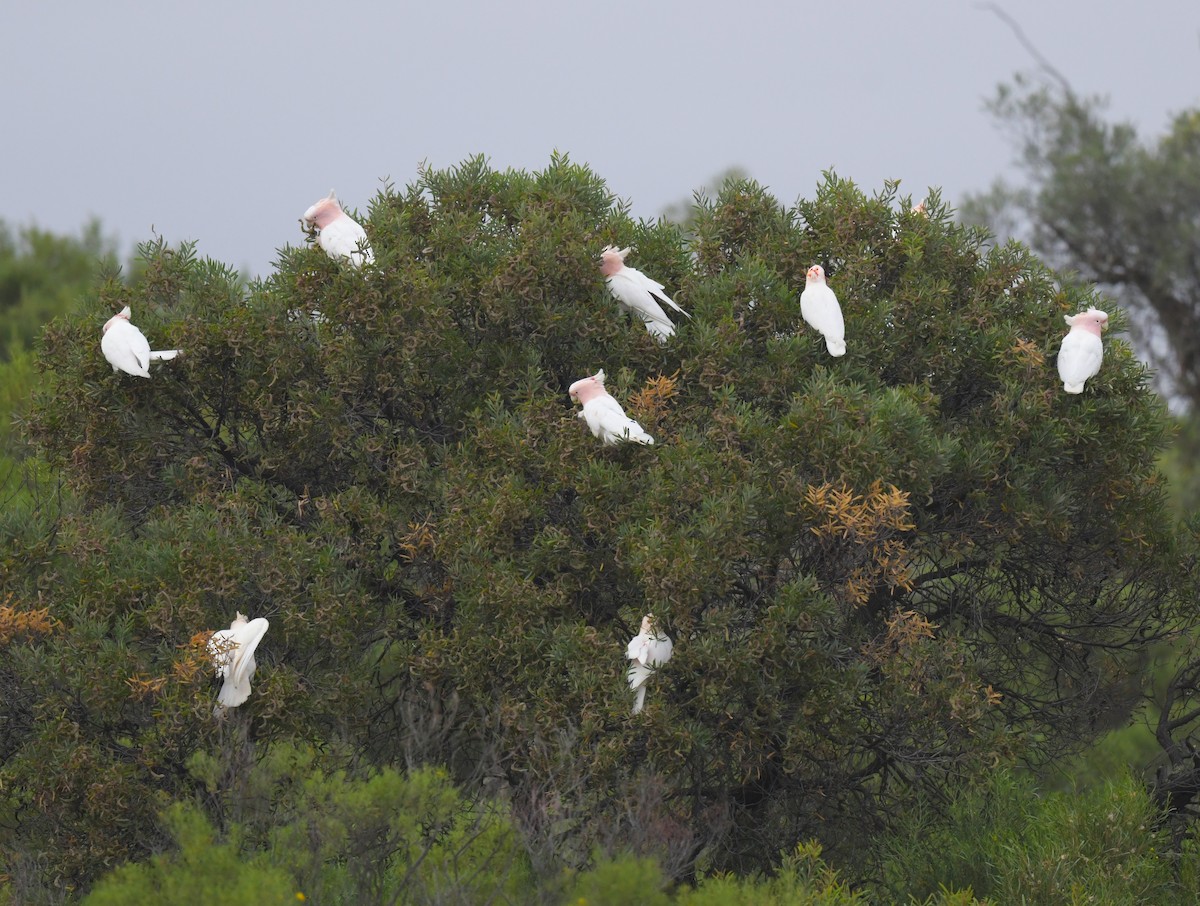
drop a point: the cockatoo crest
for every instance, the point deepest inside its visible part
(588, 388)
(1093, 320)
(123, 314)
(612, 259)
(324, 212)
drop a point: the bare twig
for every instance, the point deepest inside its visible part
(1029, 46)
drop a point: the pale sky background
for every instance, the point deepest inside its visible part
(222, 121)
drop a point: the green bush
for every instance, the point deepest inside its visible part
(1010, 844)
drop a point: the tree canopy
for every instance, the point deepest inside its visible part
(1118, 209)
(882, 573)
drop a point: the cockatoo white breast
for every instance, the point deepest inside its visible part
(1082, 351)
(819, 307)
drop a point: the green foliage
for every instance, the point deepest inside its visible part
(203, 870)
(1010, 844)
(882, 573)
(42, 276)
(802, 879)
(304, 833)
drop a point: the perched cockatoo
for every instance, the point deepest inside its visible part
(232, 651)
(604, 414)
(820, 309)
(127, 348)
(341, 236)
(1081, 351)
(649, 649)
(636, 292)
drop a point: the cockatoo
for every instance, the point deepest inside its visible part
(636, 292)
(1081, 351)
(604, 414)
(232, 651)
(341, 236)
(127, 348)
(649, 649)
(820, 309)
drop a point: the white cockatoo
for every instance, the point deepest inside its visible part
(636, 292)
(127, 348)
(820, 309)
(341, 236)
(604, 414)
(647, 650)
(1081, 352)
(232, 651)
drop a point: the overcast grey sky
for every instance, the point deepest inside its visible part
(222, 121)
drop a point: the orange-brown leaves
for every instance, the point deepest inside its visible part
(194, 659)
(651, 402)
(1026, 354)
(16, 623)
(871, 524)
(141, 685)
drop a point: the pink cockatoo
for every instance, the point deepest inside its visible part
(604, 414)
(820, 309)
(1081, 352)
(127, 348)
(341, 236)
(647, 650)
(636, 292)
(232, 651)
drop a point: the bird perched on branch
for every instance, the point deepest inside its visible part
(127, 348)
(647, 650)
(821, 310)
(341, 236)
(232, 651)
(1082, 351)
(636, 292)
(604, 414)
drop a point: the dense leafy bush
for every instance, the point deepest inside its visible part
(882, 573)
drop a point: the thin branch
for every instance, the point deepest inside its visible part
(1028, 45)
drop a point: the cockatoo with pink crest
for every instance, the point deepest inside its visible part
(232, 652)
(1081, 352)
(604, 414)
(820, 309)
(341, 236)
(647, 650)
(636, 292)
(127, 348)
